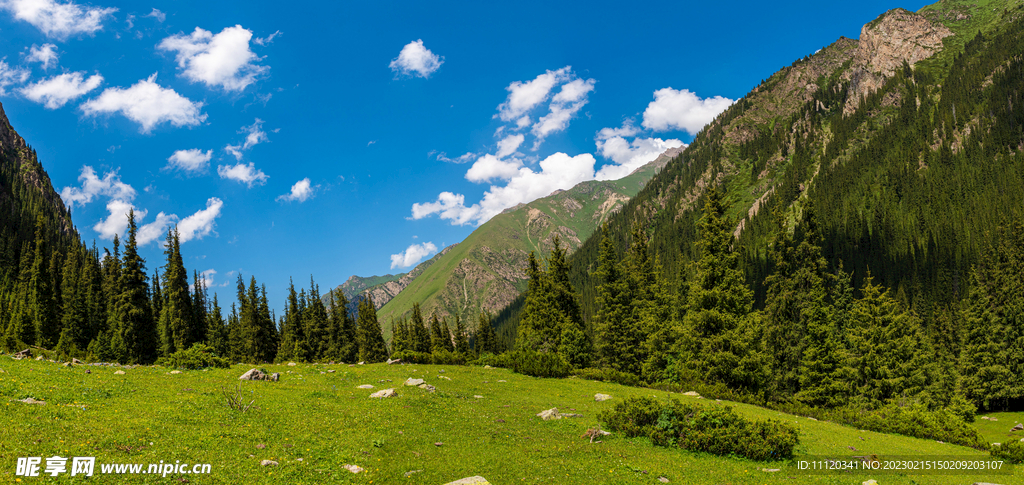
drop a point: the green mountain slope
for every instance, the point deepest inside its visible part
(487, 270)
(907, 142)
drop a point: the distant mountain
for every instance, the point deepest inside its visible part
(486, 271)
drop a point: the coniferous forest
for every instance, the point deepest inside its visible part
(881, 272)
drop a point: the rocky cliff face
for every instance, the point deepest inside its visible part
(895, 37)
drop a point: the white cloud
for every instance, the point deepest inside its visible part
(154, 230)
(200, 224)
(247, 174)
(117, 221)
(158, 15)
(147, 104)
(682, 110)
(301, 191)
(45, 55)
(627, 129)
(416, 60)
(110, 185)
(508, 145)
(223, 60)
(564, 107)
(58, 20)
(490, 167)
(206, 279)
(442, 156)
(412, 255)
(266, 40)
(524, 96)
(192, 160)
(10, 76)
(629, 156)
(558, 171)
(56, 91)
(254, 136)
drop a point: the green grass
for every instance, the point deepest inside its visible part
(149, 415)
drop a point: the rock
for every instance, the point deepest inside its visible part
(261, 446)
(23, 354)
(770, 470)
(984, 417)
(997, 444)
(175, 371)
(258, 375)
(488, 367)
(427, 387)
(478, 480)
(691, 393)
(438, 443)
(502, 380)
(384, 393)
(549, 414)
(362, 363)
(444, 377)
(394, 361)
(570, 415)
(477, 396)
(330, 371)
(1019, 427)
(291, 364)
(993, 419)
(39, 357)
(601, 397)
(268, 463)
(869, 482)
(353, 468)
(413, 382)
(813, 419)
(87, 371)
(29, 400)
(410, 472)
(663, 479)
(365, 386)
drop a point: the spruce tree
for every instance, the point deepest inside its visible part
(74, 313)
(421, 340)
(540, 327)
(461, 342)
(293, 331)
(371, 341)
(217, 330)
(617, 341)
(316, 321)
(177, 315)
(486, 340)
(399, 336)
(42, 303)
(134, 336)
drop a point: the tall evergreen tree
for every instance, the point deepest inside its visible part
(42, 303)
(371, 341)
(421, 340)
(618, 342)
(134, 336)
(316, 321)
(177, 318)
(486, 340)
(217, 334)
(461, 341)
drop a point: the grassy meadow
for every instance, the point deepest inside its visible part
(312, 422)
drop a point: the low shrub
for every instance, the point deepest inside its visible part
(608, 374)
(444, 357)
(716, 430)
(917, 421)
(413, 357)
(503, 360)
(539, 364)
(198, 356)
(1012, 451)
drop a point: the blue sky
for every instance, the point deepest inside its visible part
(340, 138)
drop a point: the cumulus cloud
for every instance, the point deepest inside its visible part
(301, 191)
(254, 135)
(58, 20)
(489, 167)
(222, 60)
(629, 156)
(193, 160)
(147, 104)
(564, 107)
(558, 171)
(412, 255)
(200, 224)
(117, 221)
(44, 55)
(92, 186)
(416, 60)
(158, 15)
(524, 96)
(246, 174)
(10, 76)
(56, 91)
(508, 145)
(682, 110)
(154, 230)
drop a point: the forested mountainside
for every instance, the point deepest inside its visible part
(897, 159)
(486, 271)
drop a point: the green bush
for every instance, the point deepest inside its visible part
(503, 360)
(716, 430)
(1012, 451)
(917, 421)
(198, 356)
(608, 375)
(539, 364)
(445, 357)
(413, 357)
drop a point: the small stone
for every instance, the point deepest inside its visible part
(261, 446)
(175, 371)
(691, 393)
(29, 400)
(353, 468)
(298, 459)
(322, 372)
(549, 414)
(427, 387)
(478, 480)
(394, 361)
(813, 419)
(477, 396)
(601, 397)
(488, 367)
(769, 470)
(413, 382)
(438, 443)
(362, 363)
(1019, 427)
(444, 377)
(257, 375)
(330, 371)
(384, 393)
(502, 380)
(869, 482)
(39, 357)
(410, 472)
(663, 479)
(87, 371)
(365, 386)
(291, 364)
(985, 417)
(993, 419)
(268, 463)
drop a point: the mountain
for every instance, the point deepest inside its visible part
(487, 270)
(907, 142)
(381, 289)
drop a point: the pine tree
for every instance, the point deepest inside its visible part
(461, 342)
(134, 336)
(486, 340)
(42, 303)
(316, 321)
(421, 340)
(371, 341)
(399, 336)
(74, 312)
(540, 325)
(217, 330)
(617, 341)
(293, 332)
(200, 308)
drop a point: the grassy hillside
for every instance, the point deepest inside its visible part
(315, 420)
(487, 270)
